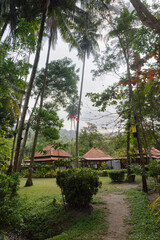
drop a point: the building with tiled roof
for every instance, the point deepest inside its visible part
(49, 155)
(95, 157)
(155, 153)
(135, 158)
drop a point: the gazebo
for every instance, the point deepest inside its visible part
(49, 155)
(95, 157)
(155, 154)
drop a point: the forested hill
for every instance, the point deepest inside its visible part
(67, 134)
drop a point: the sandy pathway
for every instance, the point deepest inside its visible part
(118, 210)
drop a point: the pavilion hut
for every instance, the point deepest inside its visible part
(95, 157)
(135, 158)
(49, 155)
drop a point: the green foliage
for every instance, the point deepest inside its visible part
(90, 137)
(40, 173)
(5, 150)
(117, 175)
(48, 171)
(143, 223)
(42, 219)
(78, 186)
(155, 205)
(154, 168)
(8, 201)
(88, 226)
(136, 169)
(103, 166)
(25, 37)
(49, 122)
(12, 73)
(102, 173)
(43, 216)
(108, 97)
(61, 81)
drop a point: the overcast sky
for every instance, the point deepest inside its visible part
(89, 113)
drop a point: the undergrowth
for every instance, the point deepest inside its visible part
(143, 223)
(87, 227)
(40, 214)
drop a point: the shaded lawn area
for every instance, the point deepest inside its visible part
(41, 187)
(48, 187)
(43, 215)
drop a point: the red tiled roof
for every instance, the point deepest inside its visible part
(49, 154)
(50, 151)
(155, 153)
(96, 154)
(42, 159)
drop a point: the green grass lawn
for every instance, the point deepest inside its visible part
(44, 216)
(41, 187)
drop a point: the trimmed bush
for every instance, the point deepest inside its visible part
(78, 186)
(117, 175)
(102, 173)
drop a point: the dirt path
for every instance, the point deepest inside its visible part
(118, 210)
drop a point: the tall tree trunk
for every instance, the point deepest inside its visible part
(144, 182)
(128, 140)
(21, 155)
(16, 130)
(147, 149)
(28, 93)
(145, 16)
(79, 109)
(136, 119)
(3, 29)
(29, 180)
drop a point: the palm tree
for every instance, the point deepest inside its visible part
(29, 180)
(52, 38)
(30, 84)
(52, 25)
(12, 11)
(72, 110)
(86, 36)
(66, 9)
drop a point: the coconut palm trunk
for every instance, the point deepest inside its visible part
(29, 179)
(28, 93)
(79, 108)
(21, 155)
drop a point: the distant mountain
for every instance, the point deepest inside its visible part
(67, 134)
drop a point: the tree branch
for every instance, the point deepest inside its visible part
(145, 16)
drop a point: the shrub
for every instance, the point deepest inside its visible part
(8, 202)
(41, 173)
(117, 175)
(78, 186)
(102, 173)
(154, 169)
